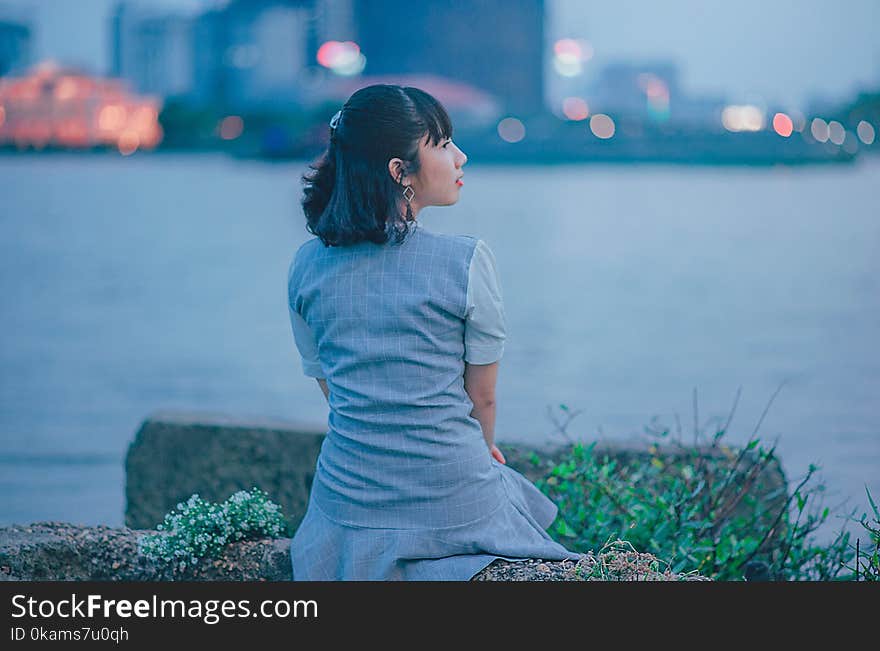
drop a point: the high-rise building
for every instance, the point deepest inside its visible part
(231, 53)
(153, 47)
(15, 43)
(494, 45)
(268, 46)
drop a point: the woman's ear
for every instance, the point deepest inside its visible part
(396, 169)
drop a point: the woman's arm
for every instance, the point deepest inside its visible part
(479, 383)
(484, 335)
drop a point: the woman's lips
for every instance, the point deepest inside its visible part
(459, 182)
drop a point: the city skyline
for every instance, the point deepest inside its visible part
(788, 53)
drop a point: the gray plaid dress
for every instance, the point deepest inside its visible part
(404, 486)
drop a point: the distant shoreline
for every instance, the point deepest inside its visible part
(493, 158)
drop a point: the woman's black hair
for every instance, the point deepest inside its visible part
(349, 195)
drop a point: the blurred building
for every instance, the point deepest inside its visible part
(494, 45)
(153, 47)
(244, 55)
(51, 106)
(266, 50)
(647, 93)
(235, 54)
(15, 42)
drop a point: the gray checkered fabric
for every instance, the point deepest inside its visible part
(404, 487)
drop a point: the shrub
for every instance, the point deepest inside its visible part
(705, 508)
(201, 529)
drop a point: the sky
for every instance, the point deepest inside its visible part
(786, 52)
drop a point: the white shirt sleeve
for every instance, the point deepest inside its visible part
(485, 326)
(305, 343)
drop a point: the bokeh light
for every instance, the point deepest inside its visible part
(865, 132)
(745, 117)
(569, 56)
(128, 142)
(568, 69)
(783, 125)
(65, 88)
(111, 117)
(836, 132)
(575, 108)
(656, 94)
(231, 127)
(511, 130)
(571, 49)
(819, 129)
(342, 57)
(145, 115)
(798, 121)
(602, 126)
(652, 85)
(567, 49)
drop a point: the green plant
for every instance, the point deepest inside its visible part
(867, 564)
(200, 529)
(704, 508)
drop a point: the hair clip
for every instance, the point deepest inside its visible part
(335, 119)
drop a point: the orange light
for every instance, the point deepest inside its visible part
(111, 118)
(231, 127)
(128, 142)
(783, 125)
(40, 133)
(151, 137)
(144, 116)
(72, 132)
(575, 108)
(66, 88)
(73, 110)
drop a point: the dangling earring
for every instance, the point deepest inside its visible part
(409, 194)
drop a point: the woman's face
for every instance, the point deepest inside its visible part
(438, 181)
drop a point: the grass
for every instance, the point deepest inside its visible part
(725, 513)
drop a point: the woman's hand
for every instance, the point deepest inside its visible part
(496, 454)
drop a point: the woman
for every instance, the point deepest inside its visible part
(403, 328)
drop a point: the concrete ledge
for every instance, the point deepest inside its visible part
(57, 551)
